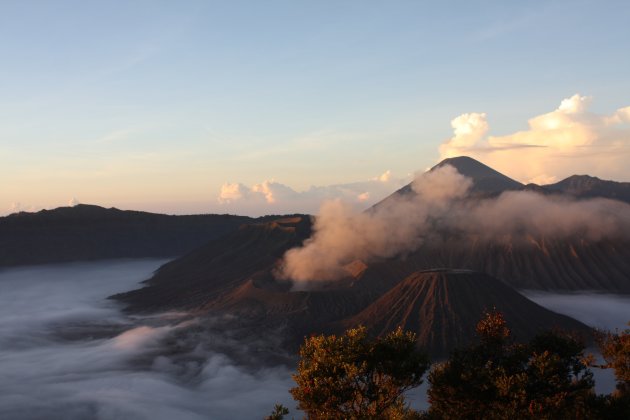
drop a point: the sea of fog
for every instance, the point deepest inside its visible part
(66, 352)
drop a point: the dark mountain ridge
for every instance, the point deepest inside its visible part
(585, 186)
(488, 182)
(87, 232)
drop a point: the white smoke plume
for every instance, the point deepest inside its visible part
(342, 235)
(521, 214)
(401, 224)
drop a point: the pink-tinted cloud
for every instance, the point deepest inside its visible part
(568, 140)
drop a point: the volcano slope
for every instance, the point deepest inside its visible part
(237, 276)
(211, 272)
(524, 258)
(568, 265)
(234, 276)
(443, 306)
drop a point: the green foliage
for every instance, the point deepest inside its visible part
(498, 379)
(351, 376)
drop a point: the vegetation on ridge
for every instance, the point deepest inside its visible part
(355, 377)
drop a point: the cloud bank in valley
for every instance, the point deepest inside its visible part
(270, 197)
(566, 141)
(67, 353)
(401, 224)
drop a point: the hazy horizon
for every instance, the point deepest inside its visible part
(240, 107)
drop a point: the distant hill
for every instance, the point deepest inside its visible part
(585, 186)
(86, 232)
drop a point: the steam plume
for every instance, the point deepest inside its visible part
(401, 224)
(342, 235)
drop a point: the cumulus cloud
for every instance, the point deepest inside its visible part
(401, 224)
(274, 197)
(569, 140)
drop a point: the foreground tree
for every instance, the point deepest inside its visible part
(353, 377)
(498, 379)
(615, 349)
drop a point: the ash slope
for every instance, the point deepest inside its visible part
(211, 272)
(443, 306)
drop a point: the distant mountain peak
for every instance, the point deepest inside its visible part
(485, 179)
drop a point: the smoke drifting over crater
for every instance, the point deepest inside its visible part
(342, 235)
(441, 202)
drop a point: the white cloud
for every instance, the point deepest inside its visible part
(365, 196)
(270, 196)
(468, 129)
(384, 177)
(569, 140)
(232, 192)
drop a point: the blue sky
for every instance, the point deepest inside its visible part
(157, 104)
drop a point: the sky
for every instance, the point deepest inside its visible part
(258, 107)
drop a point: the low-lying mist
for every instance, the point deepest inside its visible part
(404, 222)
(68, 353)
(598, 310)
